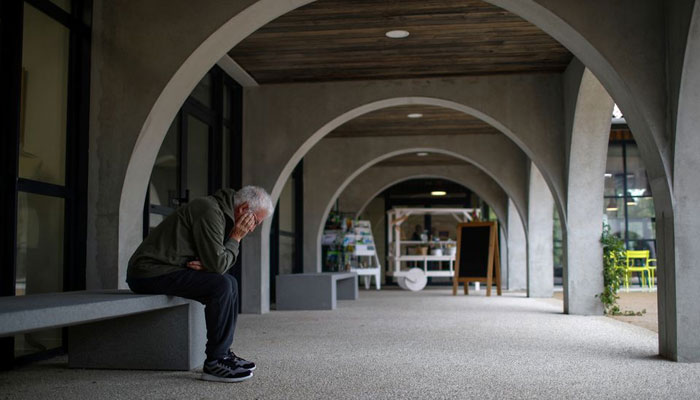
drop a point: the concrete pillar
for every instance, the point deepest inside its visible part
(517, 250)
(590, 130)
(503, 248)
(255, 279)
(678, 233)
(540, 249)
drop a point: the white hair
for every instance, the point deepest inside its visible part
(256, 197)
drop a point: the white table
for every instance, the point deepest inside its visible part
(368, 273)
(425, 259)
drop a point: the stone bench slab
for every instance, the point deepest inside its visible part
(114, 329)
(316, 291)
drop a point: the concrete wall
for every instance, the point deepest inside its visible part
(517, 251)
(375, 180)
(334, 163)
(540, 244)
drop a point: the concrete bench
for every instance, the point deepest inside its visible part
(114, 329)
(317, 291)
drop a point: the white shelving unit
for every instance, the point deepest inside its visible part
(365, 248)
(409, 278)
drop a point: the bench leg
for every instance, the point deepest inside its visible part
(346, 289)
(167, 339)
(305, 293)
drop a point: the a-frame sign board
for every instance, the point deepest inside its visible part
(478, 258)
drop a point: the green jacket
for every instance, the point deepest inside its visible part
(196, 231)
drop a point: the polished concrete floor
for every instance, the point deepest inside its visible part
(396, 344)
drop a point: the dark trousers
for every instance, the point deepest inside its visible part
(218, 293)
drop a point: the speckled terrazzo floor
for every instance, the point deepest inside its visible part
(397, 344)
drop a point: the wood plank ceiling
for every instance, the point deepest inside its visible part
(331, 40)
(394, 121)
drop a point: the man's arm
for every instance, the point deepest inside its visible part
(213, 255)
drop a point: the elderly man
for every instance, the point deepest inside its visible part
(188, 255)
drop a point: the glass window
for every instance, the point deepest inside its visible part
(203, 91)
(226, 149)
(39, 244)
(614, 171)
(64, 4)
(286, 207)
(286, 254)
(197, 157)
(615, 216)
(637, 183)
(228, 102)
(163, 189)
(45, 53)
(40, 228)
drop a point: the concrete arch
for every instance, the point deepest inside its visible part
(360, 192)
(499, 205)
(339, 120)
(577, 25)
(326, 178)
(589, 132)
(579, 34)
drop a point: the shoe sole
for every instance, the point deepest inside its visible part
(214, 378)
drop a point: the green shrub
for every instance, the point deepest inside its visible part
(613, 272)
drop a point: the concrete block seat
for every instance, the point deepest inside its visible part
(316, 291)
(114, 329)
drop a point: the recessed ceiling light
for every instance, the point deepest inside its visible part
(607, 175)
(397, 34)
(422, 154)
(438, 193)
(415, 115)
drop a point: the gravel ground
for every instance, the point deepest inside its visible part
(397, 344)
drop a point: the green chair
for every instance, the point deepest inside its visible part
(630, 266)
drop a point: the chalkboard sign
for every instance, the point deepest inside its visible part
(478, 258)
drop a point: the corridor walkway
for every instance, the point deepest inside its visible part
(396, 344)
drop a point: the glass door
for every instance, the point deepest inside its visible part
(183, 167)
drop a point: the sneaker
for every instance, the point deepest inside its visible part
(224, 370)
(249, 365)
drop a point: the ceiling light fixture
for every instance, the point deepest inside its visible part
(612, 205)
(608, 175)
(438, 193)
(422, 154)
(397, 34)
(415, 115)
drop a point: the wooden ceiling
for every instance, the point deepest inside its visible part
(330, 40)
(394, 121)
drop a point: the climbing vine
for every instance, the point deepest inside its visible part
(613, 272)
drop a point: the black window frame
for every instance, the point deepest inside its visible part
(74, 190)
(625, 142)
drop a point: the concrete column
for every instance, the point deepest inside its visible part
(590, 130)
(517, 250)
(255, 273)
(540, 249)
(503, 248)
(678, 233)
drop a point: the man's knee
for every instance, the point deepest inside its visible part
(234, 283)
(221, 286)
